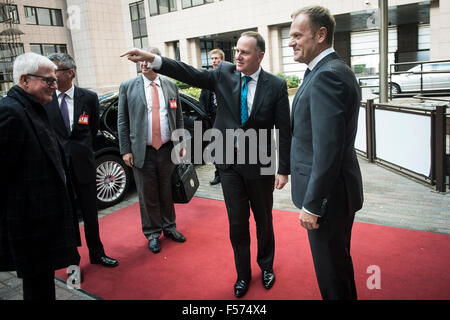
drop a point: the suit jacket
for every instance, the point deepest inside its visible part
(324, 121)
(78, 146)
(37, 229)
(133, 118)
(270, 108)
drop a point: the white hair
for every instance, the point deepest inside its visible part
(29, 63)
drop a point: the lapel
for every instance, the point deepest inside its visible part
(77, 105)
(141, 90)
(236, 96)
(313, 72)
(260, 93)
(165, 88)
(55, 117)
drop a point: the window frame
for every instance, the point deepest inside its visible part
(195, 5)
(52, 13)
(158, 6)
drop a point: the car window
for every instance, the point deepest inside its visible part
(441, 67)
(111, 117)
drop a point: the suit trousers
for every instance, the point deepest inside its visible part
(330, 248)
(87, 203)
(154, 188)
(39, 287)
(240, 195)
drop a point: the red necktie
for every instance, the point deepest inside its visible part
(156, 126)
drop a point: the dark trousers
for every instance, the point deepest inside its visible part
(330, 248)
(240, 196)
(39, 287)
(154, 187)
(87, 203)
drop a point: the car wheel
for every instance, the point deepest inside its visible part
(395, 89)
(113, 179)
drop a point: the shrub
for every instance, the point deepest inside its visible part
(193, 91)
(292, 81)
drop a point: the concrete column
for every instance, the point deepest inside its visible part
(266, 63)
(184, 52)
(195, 57)
(275, 48)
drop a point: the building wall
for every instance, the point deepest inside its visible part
(440, 30)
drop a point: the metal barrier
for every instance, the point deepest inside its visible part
(373, 81)
(424, 158)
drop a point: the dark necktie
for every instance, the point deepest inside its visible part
(65, 112)
(306, 74)
(244, 106)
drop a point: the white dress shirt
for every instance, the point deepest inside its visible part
(69, 101)
(251, 85)
(163, 116)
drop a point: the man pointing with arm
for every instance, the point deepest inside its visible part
(253, 101)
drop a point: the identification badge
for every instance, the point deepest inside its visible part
(83, 119)
(173, 104)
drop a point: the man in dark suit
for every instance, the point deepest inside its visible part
(208, 100)
(38, 234)
(326, 178)
(250, 101)
(74, 115)
(149, 111)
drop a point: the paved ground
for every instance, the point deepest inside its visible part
(390, 199)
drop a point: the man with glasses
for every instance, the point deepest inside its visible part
(74, 115)
(37, 230)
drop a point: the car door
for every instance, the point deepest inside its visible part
(441, 79)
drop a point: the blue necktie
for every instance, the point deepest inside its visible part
(65, 112)
(244, 106)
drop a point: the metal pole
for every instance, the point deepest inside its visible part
(439, 159)
(383, 38)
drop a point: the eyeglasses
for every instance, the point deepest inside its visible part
(48, 80)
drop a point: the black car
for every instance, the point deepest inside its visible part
(113, 176)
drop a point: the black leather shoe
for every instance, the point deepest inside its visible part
(241, 287)
(268, 279)
(216, 180)
(154, 245)
(174, 235)
(104, 261)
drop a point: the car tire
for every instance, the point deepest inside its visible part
(112, 179)
(395, 89)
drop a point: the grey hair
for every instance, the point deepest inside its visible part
(29, 63)
(65, 60)
(154, 50)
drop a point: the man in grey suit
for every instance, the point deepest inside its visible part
(326, 178)
(149, 111)
(249, 99)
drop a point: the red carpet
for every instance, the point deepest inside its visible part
(413, 264)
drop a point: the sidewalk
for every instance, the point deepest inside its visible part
(390, 200)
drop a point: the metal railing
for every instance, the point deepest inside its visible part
(373, 81)
(435, 151)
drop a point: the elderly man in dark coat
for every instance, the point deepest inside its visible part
(37, 230)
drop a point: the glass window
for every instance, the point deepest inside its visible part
(43, 16)
(134, 13)
(30, 15)
(153, 4)
(36, 48)
(56, 17)
(161, 6)
(9, 14)
(192, 3)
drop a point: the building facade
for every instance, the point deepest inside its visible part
(96, 32)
